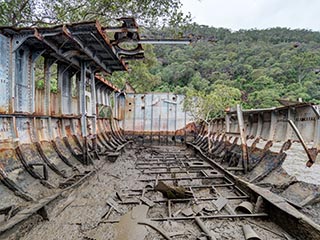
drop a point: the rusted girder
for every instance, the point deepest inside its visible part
(311, 152)
(243, 137)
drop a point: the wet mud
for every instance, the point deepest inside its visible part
(95, 210)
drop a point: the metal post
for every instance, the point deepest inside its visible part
(227, 123)
(260, 123)
(175, 122)
(144, 118)
(124, 125)
(11, 78)
(312, 152)
(317, 134)
(159, 134)
(133, 109)
(185, 126)
(272, 125)
(289, 130)
(151, 118)
(94, 111)
(47, 65)
(60, 88)
(82, 97)
(242, 130)
(316, 143)
(168, 109)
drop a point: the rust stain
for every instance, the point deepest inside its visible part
(68, 130)
(190, 128)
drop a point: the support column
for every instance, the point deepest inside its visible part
(273, 123)
(243, 135)
(94, 113)
(82, 98)
(289, 130)
(227, 123)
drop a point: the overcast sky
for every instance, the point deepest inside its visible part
(246, 14)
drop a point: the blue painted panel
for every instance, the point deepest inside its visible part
(4, 74)
(24, 86)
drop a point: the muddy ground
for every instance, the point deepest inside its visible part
(80, 213)
(295, 165)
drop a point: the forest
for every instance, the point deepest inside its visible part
(264, 65)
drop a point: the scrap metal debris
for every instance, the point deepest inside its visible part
(249, 233)
(204, 228)
(246, 207)
(220, 203)
(172, 192)
(129, 228)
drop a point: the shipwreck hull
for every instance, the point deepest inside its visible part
(61, 123)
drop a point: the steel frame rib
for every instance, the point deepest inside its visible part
(182, 164)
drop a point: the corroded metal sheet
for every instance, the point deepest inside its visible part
(49, 104)
(6, 129)
(23, 81)
(8, 158)
(156, 115)
(269, 134)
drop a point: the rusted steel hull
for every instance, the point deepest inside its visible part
(156, 117)
(60, 121)
(276, 159)
(268, 136)
(51, 130)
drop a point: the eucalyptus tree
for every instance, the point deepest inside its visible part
(204, 106)
(50, 12)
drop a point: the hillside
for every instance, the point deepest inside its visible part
(264, 65)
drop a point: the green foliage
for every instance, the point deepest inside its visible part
(140, 76)
(104, 111)
(264, 65)
(16, 12)
(39, 73)
(54, 78)
(40, 84)
(263, 98)
(45, 12)
(204, 106)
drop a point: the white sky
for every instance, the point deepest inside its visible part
(261, 14)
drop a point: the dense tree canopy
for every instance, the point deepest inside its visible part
(50, 12)
(263, 65)
(204, 106)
